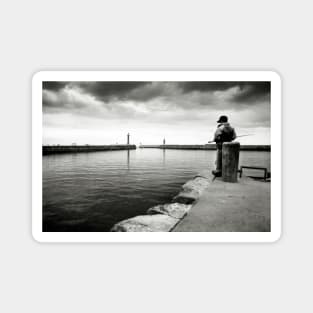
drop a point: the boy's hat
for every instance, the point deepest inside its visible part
(223, 119)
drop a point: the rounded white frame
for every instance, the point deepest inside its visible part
(276, 209)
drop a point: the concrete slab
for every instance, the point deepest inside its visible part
(230, 207)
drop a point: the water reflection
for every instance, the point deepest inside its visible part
(128, 153)
(163, 159)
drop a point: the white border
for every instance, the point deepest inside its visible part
(41, 236)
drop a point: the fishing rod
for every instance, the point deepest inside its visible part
(236, 137)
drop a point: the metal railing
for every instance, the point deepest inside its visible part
(253, 168)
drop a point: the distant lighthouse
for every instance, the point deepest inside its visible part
(128, 138)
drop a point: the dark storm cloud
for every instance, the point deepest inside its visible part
(54, 92)
(253, 92)
(160, 100)
(60, 101)
(207, 86)
(246, 91)
(106, 90)
(100, 90)
(53, 86)
(145, 91)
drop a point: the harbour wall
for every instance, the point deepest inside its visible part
(46, 150)
(205, 204)
(208, 147)
(165, 217)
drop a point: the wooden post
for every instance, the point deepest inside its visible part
(128, 138)
(230, 160)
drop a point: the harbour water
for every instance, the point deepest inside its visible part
(93, 191)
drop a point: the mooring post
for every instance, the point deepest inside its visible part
(128, 138)
(230, 160)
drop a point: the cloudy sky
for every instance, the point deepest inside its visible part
(182, 112)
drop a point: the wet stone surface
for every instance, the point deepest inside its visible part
(176, 210)
(146, 223)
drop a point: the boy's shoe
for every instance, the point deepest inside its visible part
(217, 173)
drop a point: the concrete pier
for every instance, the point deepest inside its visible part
(86, 148)
(207, 205)
(227, 207)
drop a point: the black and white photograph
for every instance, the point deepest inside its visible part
(156, 156)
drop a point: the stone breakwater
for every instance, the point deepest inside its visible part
(86, 148)
(164, 217)
(206, 147)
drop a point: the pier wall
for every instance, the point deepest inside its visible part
(205, 204)
(164, 217)
(86, 148)
(208, 147)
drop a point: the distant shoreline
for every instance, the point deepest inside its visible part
(206, 147)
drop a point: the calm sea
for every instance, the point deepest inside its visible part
(93, 191)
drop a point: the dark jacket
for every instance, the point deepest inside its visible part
(224, 133)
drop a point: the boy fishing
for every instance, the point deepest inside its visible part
(223, 133)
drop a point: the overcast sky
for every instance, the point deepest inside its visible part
(180, 112)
